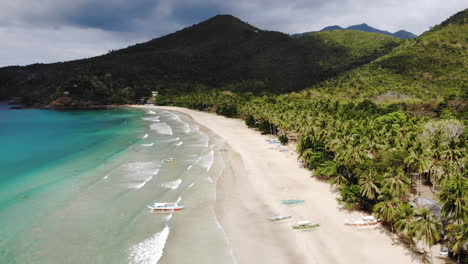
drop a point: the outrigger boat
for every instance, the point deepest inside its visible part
(165, 207)
(305, 225)
(363, 221)
(292, 201)
(169, 160)
(277, 218)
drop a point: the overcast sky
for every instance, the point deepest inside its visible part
(46, 31)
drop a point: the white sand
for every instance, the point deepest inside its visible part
(258, 179)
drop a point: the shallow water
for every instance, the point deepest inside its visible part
(74, 188)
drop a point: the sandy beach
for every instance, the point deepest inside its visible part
(257, 178)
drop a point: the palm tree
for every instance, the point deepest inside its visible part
(387, 211)
(397, 183)
(306, 156)
(419, 160)
(455, 150)
(354, 152)
(339, 180)
(368, 184)
(457, 237)
(428, 228)
(454, 198)
(405, 222)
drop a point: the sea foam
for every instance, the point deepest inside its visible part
(172, 184)
(150, 250)
(148, 145)
(202, 141)
(185, 127)
(141, 184)
(162, 128)
(149, 112)
(145, 136)
(206, 161)
(154, 119)
(140, 173)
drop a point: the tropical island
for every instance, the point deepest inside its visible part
(379, 119)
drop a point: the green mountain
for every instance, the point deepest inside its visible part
(222, 52)
(402, 34)
(335, 27)
(434, 64)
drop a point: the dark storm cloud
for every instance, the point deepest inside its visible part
(194, 13)
(112, 16)
(56, 30)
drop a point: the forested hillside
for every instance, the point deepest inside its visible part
(222, 52)
(434, 64)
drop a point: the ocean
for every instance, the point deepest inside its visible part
(74, 186)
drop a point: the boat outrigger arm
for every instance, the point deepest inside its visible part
(277, 218)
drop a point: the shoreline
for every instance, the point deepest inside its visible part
(255, 181)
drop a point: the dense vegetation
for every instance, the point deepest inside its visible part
(222, 52)
(381, 154)
(362, 47)
(378, 156)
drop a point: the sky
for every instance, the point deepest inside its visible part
(45, 31)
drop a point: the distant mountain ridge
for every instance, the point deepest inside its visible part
(402, 34)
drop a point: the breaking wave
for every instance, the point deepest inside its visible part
(140, 173)
(150, 250)
(152, 119)
(206, 161)
(162, 128)
(172, 184)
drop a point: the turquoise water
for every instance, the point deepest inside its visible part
(41, 151)
(74, 188)
(32, 140)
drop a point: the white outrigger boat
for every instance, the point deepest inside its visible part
(272, 141)
(277, 218)
(363, 221)
(163, 207)
(305, 225)
(169, 160)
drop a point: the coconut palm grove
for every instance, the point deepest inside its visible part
(383, 120)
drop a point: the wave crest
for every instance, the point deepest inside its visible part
(162, 128)
(150, 250)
